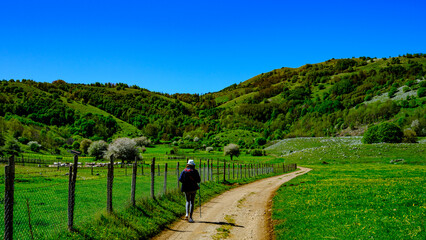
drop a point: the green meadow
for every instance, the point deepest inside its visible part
(41, 195)
(354, 191)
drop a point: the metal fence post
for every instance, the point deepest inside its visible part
(9, 198)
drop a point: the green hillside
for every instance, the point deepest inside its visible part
(333, 98)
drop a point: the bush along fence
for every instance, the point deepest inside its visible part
(40, 206)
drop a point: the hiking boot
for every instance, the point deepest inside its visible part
(190, 220)
(186, 217)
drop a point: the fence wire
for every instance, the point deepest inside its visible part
(41, 193)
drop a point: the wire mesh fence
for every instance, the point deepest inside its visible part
(41, 193)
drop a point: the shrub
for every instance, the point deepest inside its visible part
(261, 141)
(256, 152)
(123, 148)
(12, 147)
(409, 136)
(390, 133)
(2, 140)
(142, 141)
(405, 89)
(97, 149)
(84, 145)
(384, 132)
(368, 97)
(23, 140)
(76, 145)
(392, 92)
(421, 92)
(231, 150)
(34, 146)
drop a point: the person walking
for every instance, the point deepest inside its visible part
(190, 179)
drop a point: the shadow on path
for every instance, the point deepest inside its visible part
(221, 223)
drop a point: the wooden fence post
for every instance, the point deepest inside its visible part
(229, 171)
(233, 170)
(211, 171)
(152, 177)
(9, 198)
(109, 183)
(208, 170)
(165, 179)
(201, 171)
(143, 162)
(224, 170)
(204, 175)
(134, 173)
(217, 168)
(245, 170)
(159, 172)
(71, 193)
(178, 175)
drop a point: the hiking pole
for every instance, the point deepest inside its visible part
(200, 197)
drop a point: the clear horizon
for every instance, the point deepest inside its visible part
(193, 46)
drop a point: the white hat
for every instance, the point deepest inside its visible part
(191, 162)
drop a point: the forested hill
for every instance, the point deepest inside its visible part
(336, 97)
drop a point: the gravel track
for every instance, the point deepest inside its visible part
(241, 213)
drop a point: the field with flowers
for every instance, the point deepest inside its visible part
(355, 191)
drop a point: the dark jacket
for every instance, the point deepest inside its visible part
(189, 179)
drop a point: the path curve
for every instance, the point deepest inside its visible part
(243, 211)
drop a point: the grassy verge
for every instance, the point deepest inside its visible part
(354, 192)
(149, 216)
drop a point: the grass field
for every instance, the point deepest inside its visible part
(41, 194)
(353, 192)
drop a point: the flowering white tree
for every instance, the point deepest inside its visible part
(231, 150)
(123, 148)
(142, 141)
(97, 149)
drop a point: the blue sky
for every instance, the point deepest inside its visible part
(196, 46)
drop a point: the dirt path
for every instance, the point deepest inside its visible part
(241, 213)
